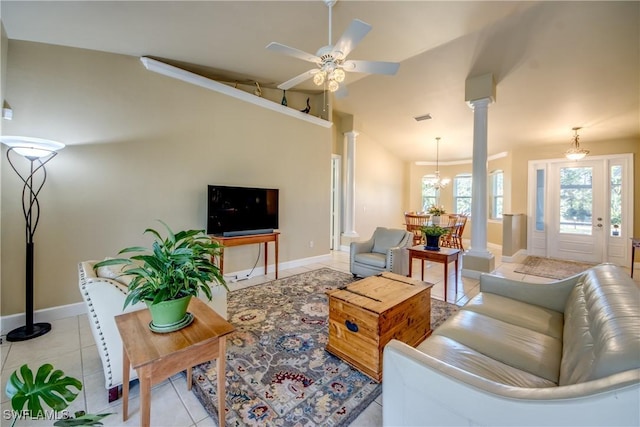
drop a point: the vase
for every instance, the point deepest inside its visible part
(432, 243)
(169, 315)
(435, 219)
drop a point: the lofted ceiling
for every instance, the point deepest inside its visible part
(556, 64)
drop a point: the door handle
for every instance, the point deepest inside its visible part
(599, 225)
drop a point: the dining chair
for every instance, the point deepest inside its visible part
(448, 240)
(414, 223)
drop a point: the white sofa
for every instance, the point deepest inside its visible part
(386, 250)
(104, 293)
(564, 353)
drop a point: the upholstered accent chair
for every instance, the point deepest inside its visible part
(104, 292)
(386, 250)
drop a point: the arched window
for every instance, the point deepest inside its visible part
(429, 194)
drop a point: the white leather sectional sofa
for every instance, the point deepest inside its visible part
(524, 354)
(104, 293)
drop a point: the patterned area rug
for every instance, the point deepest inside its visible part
(551, 268)
(278, 372)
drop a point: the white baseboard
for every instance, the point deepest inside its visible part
(271, 268)
(9, 323)
(516, 258)
(12, 321)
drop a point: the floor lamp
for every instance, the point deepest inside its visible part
(38, 152)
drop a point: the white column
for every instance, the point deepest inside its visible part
(479, 175)
(350, 190)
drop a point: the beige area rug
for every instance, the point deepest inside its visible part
(551, 268)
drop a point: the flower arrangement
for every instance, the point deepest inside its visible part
(435, 210)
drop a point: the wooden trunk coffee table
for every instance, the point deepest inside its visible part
(365, 315)
(157, 357)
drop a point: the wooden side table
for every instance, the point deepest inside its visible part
(157, 357)
(443, 256)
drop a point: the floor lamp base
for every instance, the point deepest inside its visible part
(23, 334)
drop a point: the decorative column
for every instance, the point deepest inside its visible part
(479, 172)
(350, 184)
(478, 259)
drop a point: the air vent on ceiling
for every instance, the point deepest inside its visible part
(423, 117)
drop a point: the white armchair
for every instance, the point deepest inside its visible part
(386, 250)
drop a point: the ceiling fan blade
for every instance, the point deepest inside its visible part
(351, 37)
(371, 67)
(292, 51)
(297, 79)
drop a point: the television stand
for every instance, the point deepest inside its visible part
(249, 239)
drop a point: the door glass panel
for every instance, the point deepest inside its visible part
(576, 200)
(616, 200)
(540, 200)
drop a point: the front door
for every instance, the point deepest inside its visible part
(577, 209)
(583, 210)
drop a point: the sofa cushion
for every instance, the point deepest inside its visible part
(385, 239)
(602, 326)
(371, 258)
(514, 345)
(515, 312)
(455, 354)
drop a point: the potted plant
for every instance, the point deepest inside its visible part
(432, 235)
(435, 212)
(28, 390)
(168, 274)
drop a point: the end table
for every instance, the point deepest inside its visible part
(156, 357)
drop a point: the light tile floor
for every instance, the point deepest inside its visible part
(71, 348)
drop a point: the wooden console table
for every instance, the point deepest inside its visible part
(156, 357)
(248, 240)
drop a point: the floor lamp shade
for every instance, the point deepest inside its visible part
(38, 152)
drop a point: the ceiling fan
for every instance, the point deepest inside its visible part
(331, 60)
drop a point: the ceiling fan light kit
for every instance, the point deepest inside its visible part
(331, 59)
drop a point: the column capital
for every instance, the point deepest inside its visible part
(479, 103)
(352, 134)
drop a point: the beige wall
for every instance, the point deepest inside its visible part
(142, 146)
(380, 181)
(4, 48)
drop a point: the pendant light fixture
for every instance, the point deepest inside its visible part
(575, 152)
(437, 182)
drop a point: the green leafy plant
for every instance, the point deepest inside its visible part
(175, 266)
(51, 387)
(433, 230)
(435, 210)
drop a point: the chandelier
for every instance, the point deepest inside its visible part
(437, 182)
(575, 152)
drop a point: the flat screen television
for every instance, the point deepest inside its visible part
(238, 211)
